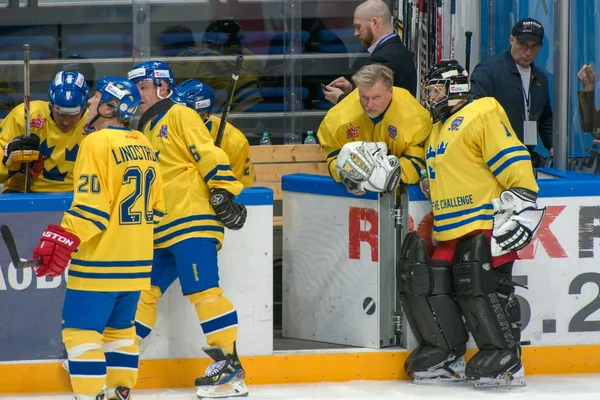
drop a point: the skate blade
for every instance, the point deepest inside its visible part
(227, 391)
(441, 380)
(506, 383)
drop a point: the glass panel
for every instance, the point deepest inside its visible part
(584, 50)
(96, 40)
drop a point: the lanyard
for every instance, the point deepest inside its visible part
(383, 39)
(527, 102)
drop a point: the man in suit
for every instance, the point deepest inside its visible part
(373, 26)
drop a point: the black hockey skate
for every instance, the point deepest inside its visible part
(429, 365)
(120, 393)
(224, 377)
(496, 368)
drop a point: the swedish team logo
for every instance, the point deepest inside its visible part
(455, 124)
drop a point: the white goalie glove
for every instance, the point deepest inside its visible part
(516, 220)
(365, 166)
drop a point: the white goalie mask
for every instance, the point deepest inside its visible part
(365, 166)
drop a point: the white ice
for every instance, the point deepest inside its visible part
(573, 387)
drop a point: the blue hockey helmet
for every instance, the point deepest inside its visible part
(121, 95)
(68, 92)
(155, 71)
(195, 95)
(103, 82)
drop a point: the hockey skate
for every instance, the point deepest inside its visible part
(224, 377)
(452, 373)
(496, 368)
(120, 393)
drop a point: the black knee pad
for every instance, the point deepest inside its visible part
(486, 296)
(427, 293)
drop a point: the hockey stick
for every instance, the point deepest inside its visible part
(227, 105)
(9, 241)
(452, 27)
(468, 35)
(439, 45)
(26, 100)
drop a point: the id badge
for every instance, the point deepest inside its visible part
(530, 133)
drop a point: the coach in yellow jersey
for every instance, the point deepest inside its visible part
(57, 128)
(200, 97)
(483, 195)
(199, 192)
(117, 202)
(375, 119)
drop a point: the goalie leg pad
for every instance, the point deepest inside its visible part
(426, 291)
(492, 312)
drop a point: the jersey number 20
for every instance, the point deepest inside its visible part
(142, 183)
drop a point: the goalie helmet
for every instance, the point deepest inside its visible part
(194, 94)
(68, 93)
(444, 85)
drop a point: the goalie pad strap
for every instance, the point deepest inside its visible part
(426, 291)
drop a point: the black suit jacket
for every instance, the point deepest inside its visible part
(395, 55)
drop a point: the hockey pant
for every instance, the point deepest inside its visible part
(99, 336)
(194, 262)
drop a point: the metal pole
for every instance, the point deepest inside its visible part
(560, 121)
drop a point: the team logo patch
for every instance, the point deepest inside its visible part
(37, 123)
(163, 132)
(352, 132)
(392, 131)
(455, 124)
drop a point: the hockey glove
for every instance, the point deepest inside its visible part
(231, 214)
(55, 249)
(365, 166)
(21, 150)
(516, 219)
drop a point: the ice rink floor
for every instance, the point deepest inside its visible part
(572, 387)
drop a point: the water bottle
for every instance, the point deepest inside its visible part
(310, 138)
(265, 139)
(425, 182)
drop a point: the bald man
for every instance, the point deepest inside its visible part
(373, 27)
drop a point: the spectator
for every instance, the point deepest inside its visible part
(589, 116)
(373, 26)
(518, 85)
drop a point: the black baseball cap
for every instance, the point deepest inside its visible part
(529, 29)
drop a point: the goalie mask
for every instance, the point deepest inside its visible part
(444, 86)
(365, 166)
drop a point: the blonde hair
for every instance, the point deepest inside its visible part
(370, 74)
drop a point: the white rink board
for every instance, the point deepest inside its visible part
(246, 272)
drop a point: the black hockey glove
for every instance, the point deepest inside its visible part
(21, 149)
(231, 214)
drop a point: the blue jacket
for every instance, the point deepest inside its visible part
(499, 77)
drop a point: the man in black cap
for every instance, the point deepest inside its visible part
(518, 85)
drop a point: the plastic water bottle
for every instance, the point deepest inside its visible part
(265, 139)
(425, 182)
(310, 138)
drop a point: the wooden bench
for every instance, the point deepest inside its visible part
(272, 162)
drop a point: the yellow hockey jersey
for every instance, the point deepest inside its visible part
(237, 148)
(404, 126)
(117, 200)
(191, 165)
(473, 156)
(58, 149)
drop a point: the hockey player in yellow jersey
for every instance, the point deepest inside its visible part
(117, 202)
(200, 97)
(372, 121)
(57, 129)
(483, 195)
(199, 193)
